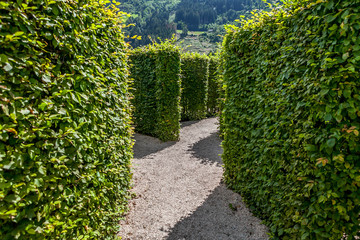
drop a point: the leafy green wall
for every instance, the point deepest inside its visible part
(65, 141)
(155, 70)
(213, 87)
(168, 92)
(221, 91)
(291, 118)
(194, 84)
(142, 68)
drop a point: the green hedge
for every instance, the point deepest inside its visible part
(213, 87)
(65, 133)
(291, 118)
(168, 92)
(222, 92)
(194, 83)
(155, 70)
(142, 68)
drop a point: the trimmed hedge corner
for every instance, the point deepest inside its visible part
(194, 83)
(292, 118)
(155, 70)
(65, 133)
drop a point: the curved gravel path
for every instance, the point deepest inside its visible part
(179, 192)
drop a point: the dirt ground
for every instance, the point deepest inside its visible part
(180, 194)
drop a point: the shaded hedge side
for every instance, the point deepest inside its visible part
(222, 92)
(213, 87)
(142, 68)
(155, 70)
(194, 84)
(65, 136)
(291, 118)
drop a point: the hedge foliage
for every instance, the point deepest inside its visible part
(222, 92)
(65, 134)
(142, 68)
(194, 84)
(213, 87)
(292, 118)
(155, 70)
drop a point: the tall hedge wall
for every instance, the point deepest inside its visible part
(194, 84)
(168, 92)
(142, 68)
(292, 118)
(65, 130)
(213, 87)
(155, 70)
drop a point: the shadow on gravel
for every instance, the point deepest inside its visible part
(215, 219)
(146, 145)
(188, 123)
(208, 150)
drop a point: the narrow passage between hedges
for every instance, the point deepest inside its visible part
(179, 190)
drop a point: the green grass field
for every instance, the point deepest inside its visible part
(195, 33)
(194, 43)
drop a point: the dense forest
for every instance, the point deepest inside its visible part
(160, 19)
(197, 14)
(149, 19)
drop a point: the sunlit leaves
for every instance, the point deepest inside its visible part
(291, 117)
(65, 144)
(155, 70)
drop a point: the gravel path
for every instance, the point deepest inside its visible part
(180, 194)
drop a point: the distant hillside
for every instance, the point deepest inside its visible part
(161, 18)
(197, 14)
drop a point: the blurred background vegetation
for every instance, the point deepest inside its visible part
(198, 24)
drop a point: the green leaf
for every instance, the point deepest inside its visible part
(3, 58)
(42, 106)
(338, 116)
(46, 78)
(310, 148)
(331, 142)
(323, 92)
(330, 18)
(4, 4)
(4, 137)
(305, 235)
(333, 27)
(55, 10)
(62, 111)
(329, 4)
(328, 117)
(347, 93)
(25, 111)
(13, 198)
(18, 33)
(7, 67)
(9, 165)
(42, 170)
(322, 198)
(31, 231)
